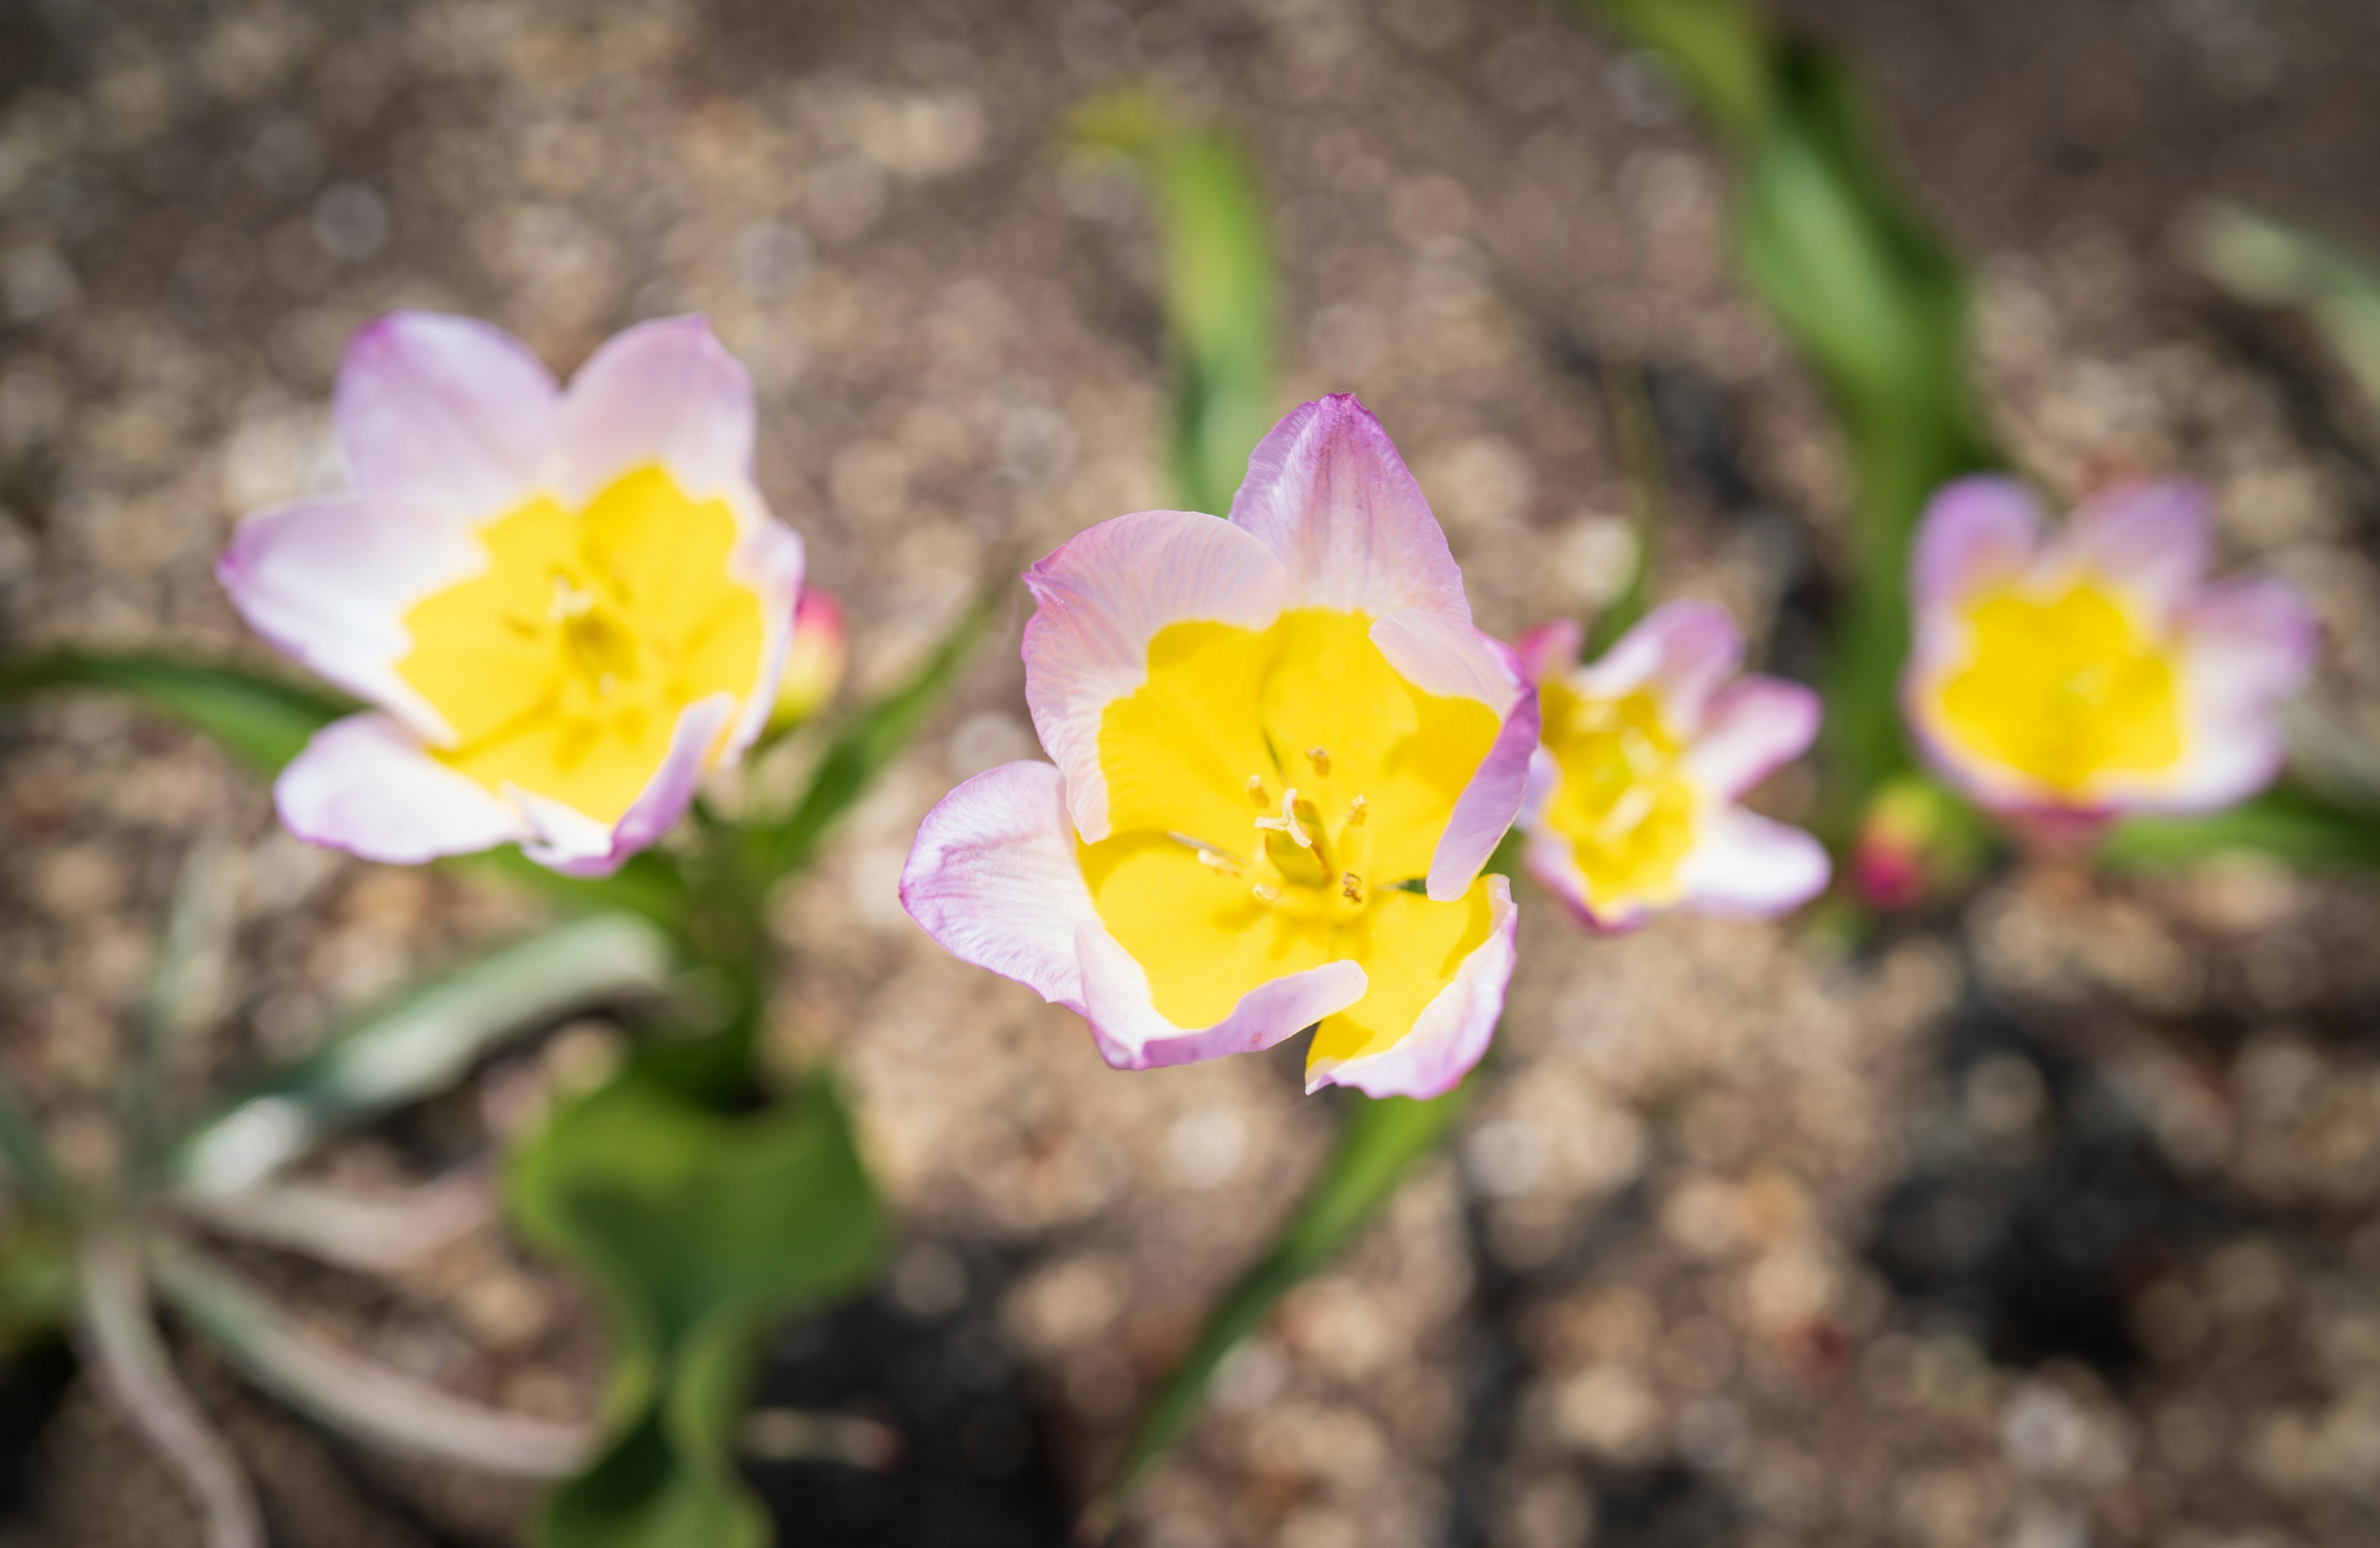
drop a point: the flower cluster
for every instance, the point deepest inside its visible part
(1280, 753)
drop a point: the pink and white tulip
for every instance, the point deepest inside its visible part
(1281, 755)
(1632, 797)
(2063, 678)
(565, 604)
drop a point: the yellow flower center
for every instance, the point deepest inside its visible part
(1624, 804)
(1274, 799)
(2067, 687)
(562, 667)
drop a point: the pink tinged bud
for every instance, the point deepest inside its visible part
(1914, 842)
(814, 662)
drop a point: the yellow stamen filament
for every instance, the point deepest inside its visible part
(1257, 792)
(1321, 759)
(1356, 811)
(1267, 894)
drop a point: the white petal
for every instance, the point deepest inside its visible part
(449, 416)
(328, 582)
(993, 877)
(368, 786)
(1103, 595)
(1747, 866)
(1327, 491)
(664, 392)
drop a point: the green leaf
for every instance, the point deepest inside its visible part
(422, 1041)
(1878, 305)
(1219, 302)
(1378, 1144)
(262, 720)
(1647, 464)
(2289, 824)
(870, 740)
(2270, 263)
(697, 1230)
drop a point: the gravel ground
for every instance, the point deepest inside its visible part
(2042, 1226)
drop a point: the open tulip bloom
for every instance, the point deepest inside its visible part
(1631, 804)
(565, 606)
(1282, 754)
(2065, 679)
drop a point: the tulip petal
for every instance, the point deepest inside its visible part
(367, 785)
(448, 415)
(1453, 1029)
(1133, 1035)
(993, 877)
(1102, 596)
(1680, 652)
(328, 582)
(1751, 727)
(1550, 650)
(567, 841)
(665, 392)
(1327, 491)
(2249, 644)
(1976, 532)
(1745, 866)
(1447, 657)
(2154, 538)
(768, 559)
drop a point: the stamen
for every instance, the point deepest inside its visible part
(569, 602)
(1218, 859)
(1257, 791)
(1321, 759)
(1287, 821)
(1352, 888)
(1633, 806)
(1355, 811)
(1267, 894)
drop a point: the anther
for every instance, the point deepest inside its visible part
(1320, 758)
(1214, 861)
(1267, 894)
(1257, 791)
(1352, 888)
(1355, 811)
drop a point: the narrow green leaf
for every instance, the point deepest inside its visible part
(1220, 303)
(262, 720)
(1874, 301)
(422, 1041)
(26, 1163)
(870, 740)
(1646, 463)
(342, 1391)
(1717, 49)
(2289, 824)
(697, 1230)
(2270, 263)
(1378, 1144)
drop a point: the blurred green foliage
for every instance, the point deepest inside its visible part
(696, 1229)
(1220, 305)
(261, 719)
(1875, 302)
(2270, 263)
(2289, 823)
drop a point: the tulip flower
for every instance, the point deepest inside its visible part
(565, 605)
(1631, 805)
(1282, 755)
(2061, 681)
